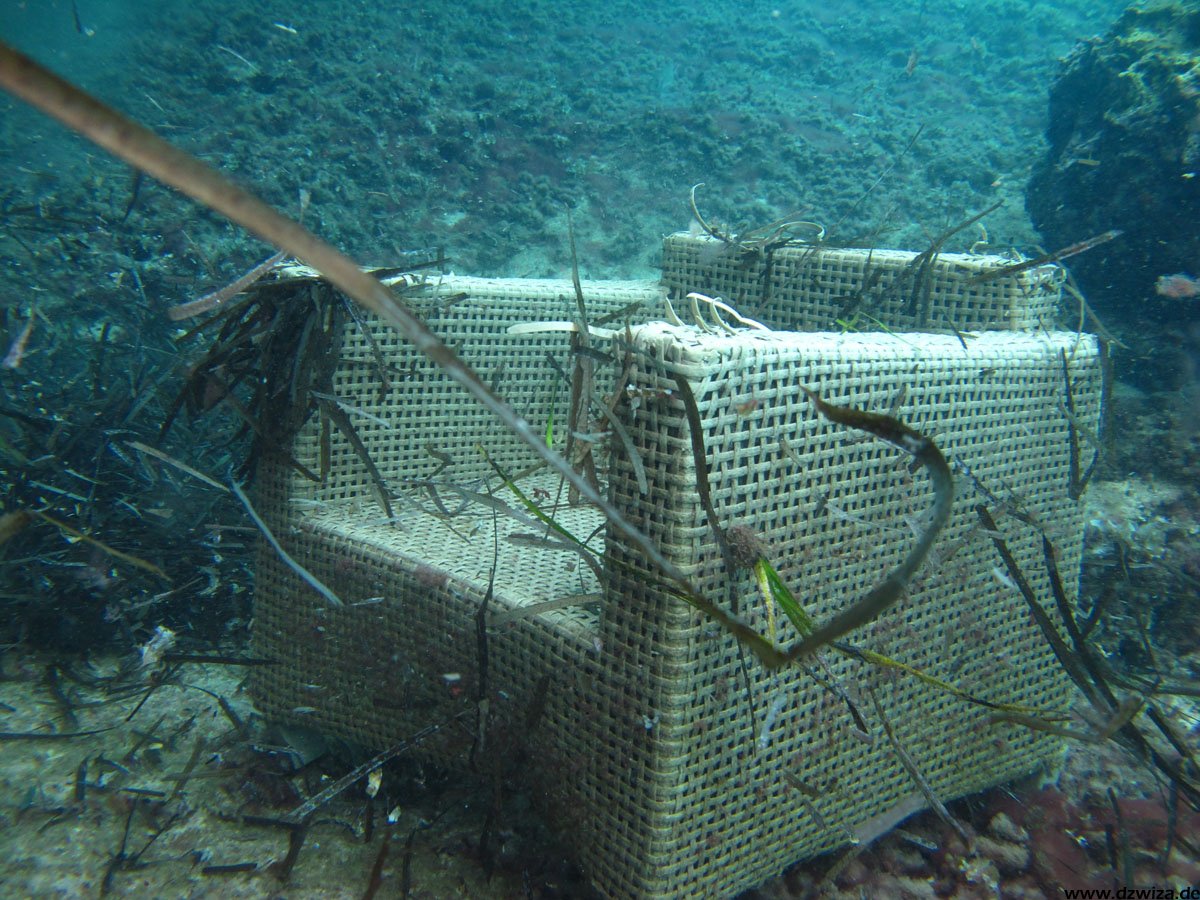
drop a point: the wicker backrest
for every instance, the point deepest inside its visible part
(421, 415)
(817, 288)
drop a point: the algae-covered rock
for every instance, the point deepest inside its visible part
(1124, 153)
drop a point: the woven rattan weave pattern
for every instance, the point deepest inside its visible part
(836, 512)
(811, 288)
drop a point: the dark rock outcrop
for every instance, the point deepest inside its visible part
(1124, 137)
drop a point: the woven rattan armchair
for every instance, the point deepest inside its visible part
(676, 763)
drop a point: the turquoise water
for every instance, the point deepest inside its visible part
(478, 134)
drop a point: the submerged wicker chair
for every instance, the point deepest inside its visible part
(677, 764)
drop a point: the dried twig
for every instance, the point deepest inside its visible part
(308, 577)
(910, 766)
(300, 814)
(1046, 259)
(211, 301)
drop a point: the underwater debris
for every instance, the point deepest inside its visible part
(1177, 287)
(883, 595)
(306, 576)
(1091, 674)
(763, 239)
(893, 613)
(218, 298)
(920, 269)
(1047, 258)
(16, 350)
